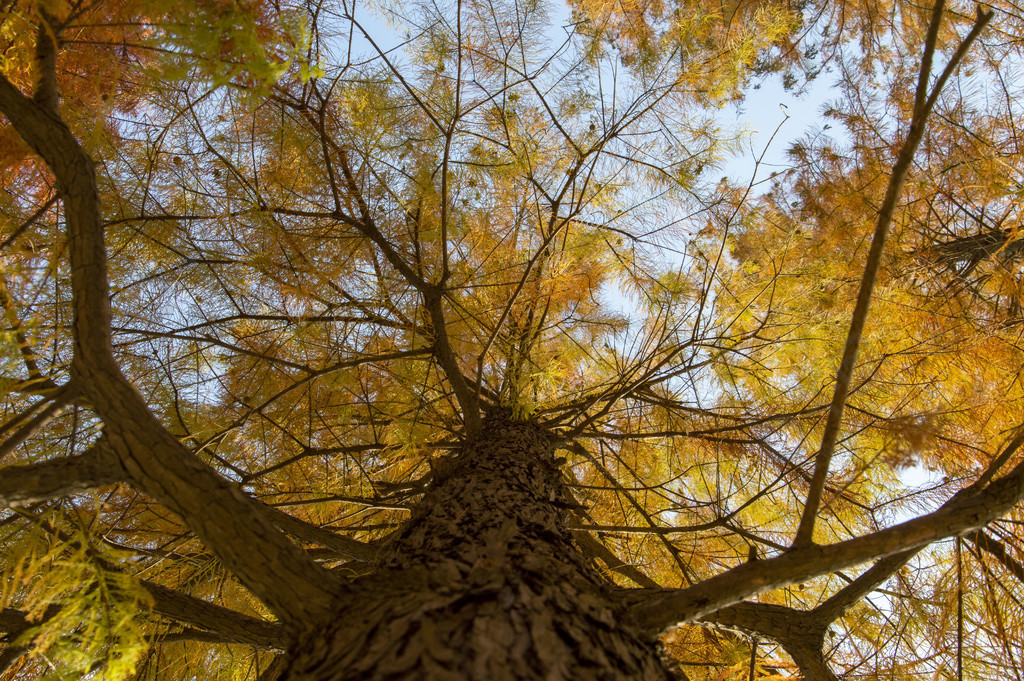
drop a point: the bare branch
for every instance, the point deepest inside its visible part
(344, 546)
(33, 483)
(64, 396)
(283, 576)
(595, 549)
(822, 460)
(230, 626)
(997, 550)
(45, 62)
(962, 514)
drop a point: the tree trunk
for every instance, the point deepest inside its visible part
(482, 583)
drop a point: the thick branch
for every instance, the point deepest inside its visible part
(432, 302)
(33, 483)
(229, 626)
(593, 548)
(466, 396)
(45, 63)
(216, 624)
(802, 632)
(797, 631)
(292, 585)
(13, 623)
(922, 109)
(344, 546)
(276, 669)
(28, 353)
(845, 598)
(98, 466)
(964, 513)
(997, 550)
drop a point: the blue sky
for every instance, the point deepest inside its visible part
(762, 112)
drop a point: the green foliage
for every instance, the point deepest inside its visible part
(87, 613)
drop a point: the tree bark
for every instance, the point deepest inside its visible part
(483, 582)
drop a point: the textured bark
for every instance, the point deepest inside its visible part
(207, 622)
(801, 633)
(225, 625)
(997, 550)
(13, 623)
(343, 546)
(966, 512)
(33, 483)
(484, 582)
(287, 580)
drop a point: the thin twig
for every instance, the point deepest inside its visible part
(66, 396)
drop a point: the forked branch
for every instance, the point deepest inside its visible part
(292, 585)
(924, 102)
(966, 512)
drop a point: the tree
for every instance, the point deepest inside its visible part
(330, 358)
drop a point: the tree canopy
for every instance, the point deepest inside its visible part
(306, 302)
